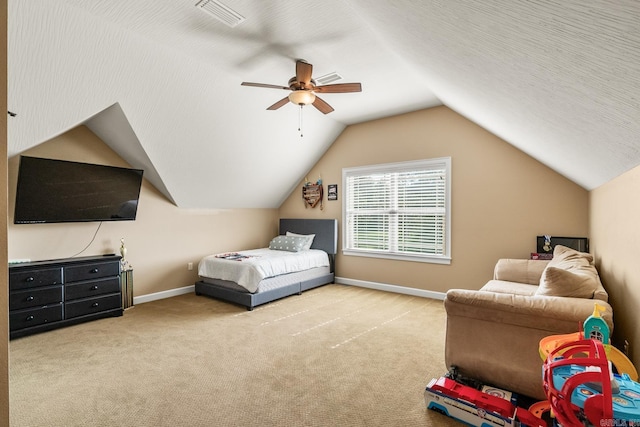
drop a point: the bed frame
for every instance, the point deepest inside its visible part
(326, 231)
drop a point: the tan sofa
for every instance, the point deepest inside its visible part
(493, 334)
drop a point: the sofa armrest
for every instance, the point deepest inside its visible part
(519, 270)
(494, 337)
(556, 315)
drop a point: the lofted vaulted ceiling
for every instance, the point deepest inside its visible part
(159, 81)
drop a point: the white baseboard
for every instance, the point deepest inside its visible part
(341, 280)
(391, 288)
(163, 294)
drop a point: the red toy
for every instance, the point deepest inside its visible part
(475, 408)
(598, 407)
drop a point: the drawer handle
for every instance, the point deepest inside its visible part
(29, 318)
(30, 298)
(29, 279)
(94, 288)
(95, 304)
(94, 271)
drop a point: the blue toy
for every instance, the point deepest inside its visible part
(583, 391)
(625, 393)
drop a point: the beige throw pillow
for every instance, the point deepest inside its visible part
(569, 274)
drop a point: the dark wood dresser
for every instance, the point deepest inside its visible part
(45, 295)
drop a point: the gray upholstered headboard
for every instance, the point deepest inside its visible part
(326, 231)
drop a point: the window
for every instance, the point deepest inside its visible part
(398, 211)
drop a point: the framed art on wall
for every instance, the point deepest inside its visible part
(332, 192)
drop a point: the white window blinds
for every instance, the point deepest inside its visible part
(398, 210)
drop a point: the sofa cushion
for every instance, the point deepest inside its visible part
(506, 287)
(567, 258)
(519, 270)
(569, 274)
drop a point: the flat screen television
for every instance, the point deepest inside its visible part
(50, 191)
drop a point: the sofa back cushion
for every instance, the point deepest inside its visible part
(569, 274)
(526, 271)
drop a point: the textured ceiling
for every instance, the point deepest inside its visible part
(159, 81)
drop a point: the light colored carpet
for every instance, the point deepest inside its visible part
(333, 356)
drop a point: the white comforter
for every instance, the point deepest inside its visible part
(259, 264)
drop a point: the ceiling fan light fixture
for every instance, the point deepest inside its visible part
(302, 97)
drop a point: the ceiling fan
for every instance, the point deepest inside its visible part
(303, 89)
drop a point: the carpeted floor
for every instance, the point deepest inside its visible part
(333, 356)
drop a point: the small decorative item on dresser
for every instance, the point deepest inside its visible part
(541, 256)
(123, 252)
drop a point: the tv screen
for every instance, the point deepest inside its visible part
(62, 191)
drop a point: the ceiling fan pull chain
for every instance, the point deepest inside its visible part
(300, 121)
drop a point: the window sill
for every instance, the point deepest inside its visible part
(399, 257)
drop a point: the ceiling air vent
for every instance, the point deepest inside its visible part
(220, 12)
(327, 78)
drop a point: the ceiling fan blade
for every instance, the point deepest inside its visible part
(303, 72)
(322, 106)
(280, 103)
(265, 85)
(339, 88)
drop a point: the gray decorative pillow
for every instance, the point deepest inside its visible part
(309, 238)
(288, 243)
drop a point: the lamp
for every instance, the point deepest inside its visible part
(302, 97)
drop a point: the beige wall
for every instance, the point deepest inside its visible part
(160, 242)
(4, 300)
(615, 243)
(501, 198)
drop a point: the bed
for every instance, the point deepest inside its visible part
(249, 278)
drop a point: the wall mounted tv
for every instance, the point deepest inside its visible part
(62, 191)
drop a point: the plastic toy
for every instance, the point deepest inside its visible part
(621, 362)
(540, 409)
(582, 390)
(594, 327)
(474, 407)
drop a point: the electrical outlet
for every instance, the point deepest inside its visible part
(190, 266)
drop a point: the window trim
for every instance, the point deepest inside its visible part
(397, 167)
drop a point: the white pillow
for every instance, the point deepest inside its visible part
(308, 242)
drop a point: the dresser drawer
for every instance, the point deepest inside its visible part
(92, 305)
(92, 288)
(35, 316)
(36, 297)
(77, 273)
(34, 278)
